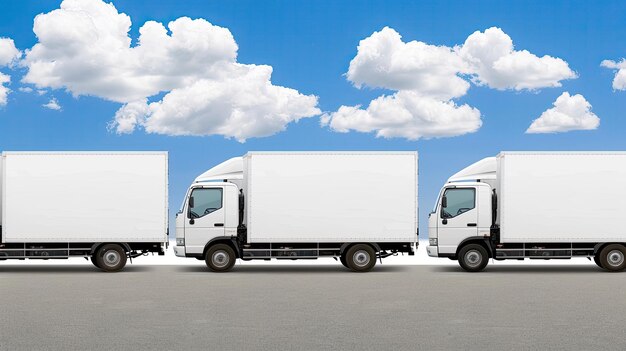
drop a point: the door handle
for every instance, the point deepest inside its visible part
(471, 224)
(218, 224)
(192, 222)
(445, 221)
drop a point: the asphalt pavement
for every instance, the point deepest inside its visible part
(313, 307)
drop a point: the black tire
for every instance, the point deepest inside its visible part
(613, 257)
(342, 259)
(220, 258)
(94, 261)
(360, 258)
(111, 258)
(473, 258)
(596, 259)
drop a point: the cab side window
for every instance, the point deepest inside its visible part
(205, 201)
(459, 201)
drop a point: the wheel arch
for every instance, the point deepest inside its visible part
(599, 246)
(346, 246)
(230, 241)
(96, 246)
(484, 242)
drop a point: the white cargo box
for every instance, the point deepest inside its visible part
(562, 196)
(84, 196)
(331, 196)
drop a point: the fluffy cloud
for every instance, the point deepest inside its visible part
(427, 78)
(619, 82)
(240, 108)
(84, 47)
(408, 115)
(568, 113)
(129, 116)
(4, 91)
(383, 60)
(9, 54)
(53, 104)
(494, 62)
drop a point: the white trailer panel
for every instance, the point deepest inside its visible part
(331, 196)
(562, 196)
(84, 197)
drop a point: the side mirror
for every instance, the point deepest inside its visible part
(191, 204)
(444, 202)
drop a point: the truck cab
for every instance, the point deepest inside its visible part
(208, 213)
(459, 226)
(462, 213)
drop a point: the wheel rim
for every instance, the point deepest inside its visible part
(473, 258)
(220, 259)
(361, 258)
(112, 258)
(615, 258)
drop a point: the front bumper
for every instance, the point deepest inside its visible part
(179, 251)
(433, 251)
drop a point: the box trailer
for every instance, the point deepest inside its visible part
(107, 206)
(355, 206)
(538, 205)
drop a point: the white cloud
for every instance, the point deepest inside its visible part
(9, 54)
(53, 104)
(383, 60)
(239, 108)
(25, 89)
(4, 91)
(494, 62)
(428, 77)
(129, 116)
(569, 113)
(84, 47)
(619, 82)
(408, 115)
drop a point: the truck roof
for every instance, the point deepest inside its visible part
(503, 153)
(7, 153)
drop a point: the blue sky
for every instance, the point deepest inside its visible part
(310, 45)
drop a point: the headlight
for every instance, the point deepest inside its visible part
(432, 241)
(180, 241)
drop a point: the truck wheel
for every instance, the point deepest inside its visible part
(111, 258)
(220, 258)
(94, 261)
(613, 258)
(360, 258)
(342, 259)
(596, 259)
(473, 258)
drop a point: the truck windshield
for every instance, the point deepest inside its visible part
(206, 200)
(460, 200)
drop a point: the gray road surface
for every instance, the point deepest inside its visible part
(317, 307)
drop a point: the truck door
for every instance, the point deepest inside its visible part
(205, 218)
(458, 220)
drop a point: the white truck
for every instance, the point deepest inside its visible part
(355, 206)
(107, 206)
(537, 205)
